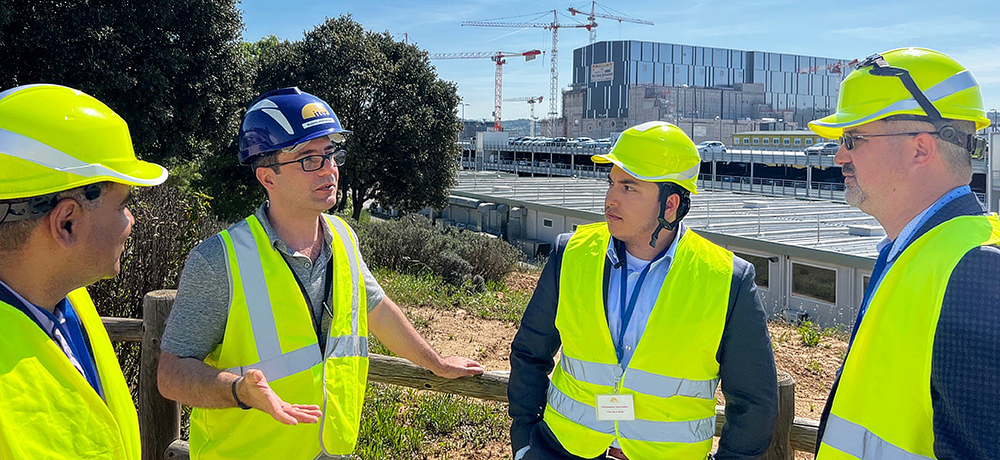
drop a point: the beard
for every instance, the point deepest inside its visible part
(853, 194)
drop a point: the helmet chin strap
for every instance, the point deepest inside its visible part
(682, 209)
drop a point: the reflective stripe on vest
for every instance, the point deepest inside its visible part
(856, 440)
(270, 327)
(273, 362)
(646, 430)
(891, 359)
(673, 394)
(638, 380)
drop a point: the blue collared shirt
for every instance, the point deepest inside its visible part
(905, 235)
(62, 326)
(648, 294)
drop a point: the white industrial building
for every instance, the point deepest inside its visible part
(812, 257)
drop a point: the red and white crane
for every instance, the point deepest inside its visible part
(554, 26)
(593, 15)
(499, 57)
(530, 100)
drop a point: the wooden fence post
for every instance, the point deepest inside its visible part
(780, 448)
(159, 418)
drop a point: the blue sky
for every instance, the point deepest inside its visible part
(967, 30)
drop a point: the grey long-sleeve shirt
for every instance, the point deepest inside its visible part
(746, 364)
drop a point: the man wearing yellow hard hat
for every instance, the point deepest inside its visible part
(650, 316)
(66, 165)
(922, 372)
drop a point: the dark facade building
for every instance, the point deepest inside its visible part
(675, 82)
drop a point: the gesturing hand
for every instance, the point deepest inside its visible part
(255, 392)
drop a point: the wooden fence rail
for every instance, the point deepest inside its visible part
(159, 418)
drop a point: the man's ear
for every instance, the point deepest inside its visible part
(266, 177)
(673, 202)
(63, 222)
(925, 148)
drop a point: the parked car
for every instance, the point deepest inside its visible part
(711, 147)
(823, 148)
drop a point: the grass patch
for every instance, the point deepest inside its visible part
(429, 290)
(399, 423)
(810, 334)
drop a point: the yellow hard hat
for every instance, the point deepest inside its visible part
(656, 151)
(54, 138)
(905, 81)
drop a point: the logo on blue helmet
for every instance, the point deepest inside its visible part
(283, 118)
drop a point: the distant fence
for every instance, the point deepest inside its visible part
(160, 418)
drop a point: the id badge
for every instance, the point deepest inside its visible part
(616, 406)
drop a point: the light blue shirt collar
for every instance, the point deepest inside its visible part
(632, 261)
(911, 228)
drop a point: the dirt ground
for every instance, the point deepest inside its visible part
(488, 342)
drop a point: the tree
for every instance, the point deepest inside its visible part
(404, 118)
(173, 69)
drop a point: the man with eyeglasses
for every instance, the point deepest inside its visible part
(922, 372)
(273, 314)
(66, 170)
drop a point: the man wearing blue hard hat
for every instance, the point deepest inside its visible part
(269, 332)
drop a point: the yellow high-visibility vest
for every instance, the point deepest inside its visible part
(270, 328)
(882, 409)
(48, 410)
(673, 373)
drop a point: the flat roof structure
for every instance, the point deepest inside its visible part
(832, 231)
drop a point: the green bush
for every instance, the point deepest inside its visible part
(168, 224)
(413, 244)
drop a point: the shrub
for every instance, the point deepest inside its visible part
(414, 245)
(168, 224)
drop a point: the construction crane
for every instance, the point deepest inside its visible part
(499, 57)
(532, 101)
(554, 26)
(593, 15)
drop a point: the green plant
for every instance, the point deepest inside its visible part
(810, 334)
(414, 245)
(814, 367)
(495, 301)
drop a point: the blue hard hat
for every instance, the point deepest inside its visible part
(283, 118)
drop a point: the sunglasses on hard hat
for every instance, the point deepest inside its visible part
(29, 208)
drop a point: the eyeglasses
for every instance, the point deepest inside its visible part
(847, 140)
(316, 162)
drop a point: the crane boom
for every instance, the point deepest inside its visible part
(554, 26)
(499, 58)
(592, 21)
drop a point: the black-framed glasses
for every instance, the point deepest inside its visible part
(316, 162)
(848, 139)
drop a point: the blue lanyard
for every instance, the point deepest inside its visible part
(628, 308)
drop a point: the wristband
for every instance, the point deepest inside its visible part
(239, 403)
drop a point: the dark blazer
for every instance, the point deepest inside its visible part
(746, 361)
(965, 367)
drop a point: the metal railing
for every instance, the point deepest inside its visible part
(766, 186)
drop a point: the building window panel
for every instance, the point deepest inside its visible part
(547, 223)
(746, 141)
(761, 266)
(814, 282)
